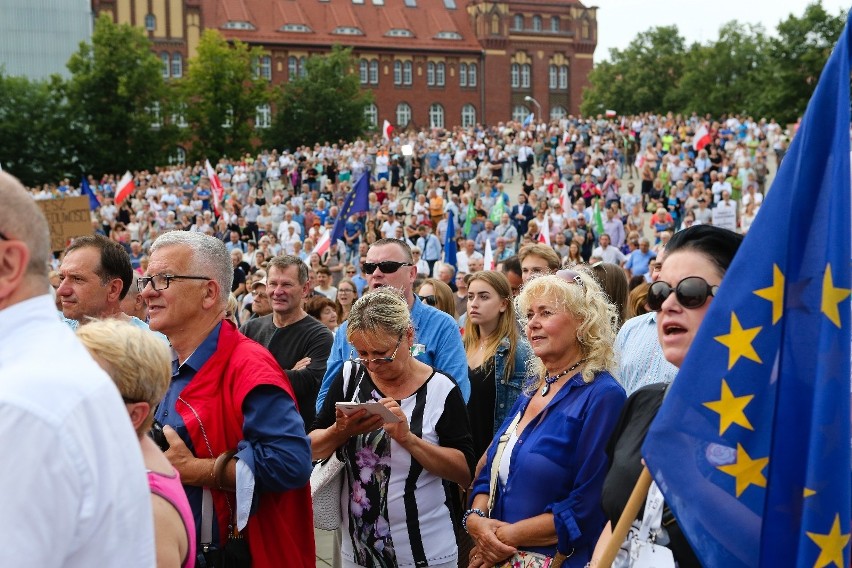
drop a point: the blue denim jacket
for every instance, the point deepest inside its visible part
(509, 388)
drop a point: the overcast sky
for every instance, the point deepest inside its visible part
(619, 21)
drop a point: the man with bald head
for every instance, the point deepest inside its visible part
(74, 490)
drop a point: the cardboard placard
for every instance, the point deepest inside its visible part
(67, 218)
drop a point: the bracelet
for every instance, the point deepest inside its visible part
(470, 512)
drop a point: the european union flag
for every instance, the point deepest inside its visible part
(357, 201)
(752, 444)
(450, 242)
(85, 189)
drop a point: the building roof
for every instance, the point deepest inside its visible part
(410, 25)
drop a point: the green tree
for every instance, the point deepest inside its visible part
(115, 93)
(222, 92)
(727, 75)
(34, 134)
(326, 104)
(640, 78)
(799, 53)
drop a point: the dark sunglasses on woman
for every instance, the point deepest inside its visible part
(691, 293)
(430, 300)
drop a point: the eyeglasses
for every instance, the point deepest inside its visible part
(347, 290)
(387, 266)
(691, 293)
(381, 359)
(430, 300)
(161, 281)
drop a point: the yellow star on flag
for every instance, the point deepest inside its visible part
(808, 493)
(731, 409)
(832, 296)
(830, 545)
(774, 293)
(738, 342)
(746, 470)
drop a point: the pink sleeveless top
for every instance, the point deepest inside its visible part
(170, 489)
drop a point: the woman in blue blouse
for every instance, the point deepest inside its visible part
(547, 489)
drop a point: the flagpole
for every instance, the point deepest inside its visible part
(631, 511)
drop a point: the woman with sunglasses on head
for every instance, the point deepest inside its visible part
(497, 354)
(538, 492)
(438, 294)
(399, 472)
(347, 293)
(696, 260)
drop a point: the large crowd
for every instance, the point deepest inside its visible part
(480, 397)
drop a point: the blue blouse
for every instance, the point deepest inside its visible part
(559, 464)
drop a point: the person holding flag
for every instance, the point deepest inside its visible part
(357, 201)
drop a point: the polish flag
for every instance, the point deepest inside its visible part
(216, 187)
(387, 129)
(488, 260)
(544, 231)
(701, 138)
(564, 200)
(323, 244)
(125, 188)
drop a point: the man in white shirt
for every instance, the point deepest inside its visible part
(608, 253)
(75, 493)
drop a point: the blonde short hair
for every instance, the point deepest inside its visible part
(383, 310)
(138, 361)
(588, 303)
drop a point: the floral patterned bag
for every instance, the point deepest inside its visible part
(524, 559)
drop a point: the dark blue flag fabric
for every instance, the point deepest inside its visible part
(357, 201)
(85, 189)
(450, 242)
(751, 446)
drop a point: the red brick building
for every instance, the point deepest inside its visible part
(427, 62)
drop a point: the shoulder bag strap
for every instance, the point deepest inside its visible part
(498, 455)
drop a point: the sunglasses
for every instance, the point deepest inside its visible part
(430, 300)
(691, 293)
(387, 266)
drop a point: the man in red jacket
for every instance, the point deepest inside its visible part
(230, 416)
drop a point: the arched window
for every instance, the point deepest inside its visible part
(179, 115)
(430, 74)
(563, 77)
(436, 116)
(552, 77)
(516, 75)
(371, 113)
(526, 73)
(364, 71)
(264, 67)
(536, 23)
(558, 113)
(397, 72)
(177, 65)
(403, 115)
(374, 72)
(519, 113)
(166, 60)
(263, 116)
(518, 22)
(463, 75)
(555, 24)
(303, 69)
(406, 73)
(495, 24)
(471, 75)
(150, 22)
(292, 68)
(440, 74)
(468, 115)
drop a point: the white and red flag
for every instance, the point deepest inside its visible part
(387, 129)
(544, 231)
(125, 188)
(701, 138)
(215, 187)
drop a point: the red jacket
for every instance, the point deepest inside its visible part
(280, 532)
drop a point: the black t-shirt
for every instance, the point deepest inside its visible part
(625, 458)
(480, 406)
(239, 278)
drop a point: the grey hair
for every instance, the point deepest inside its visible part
(21, 218)
(209, 255)
(383, 310)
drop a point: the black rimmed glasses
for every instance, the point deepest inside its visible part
(429, 300)
(691, 293)
(161, 281)
(387, 266)
(381, 359)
